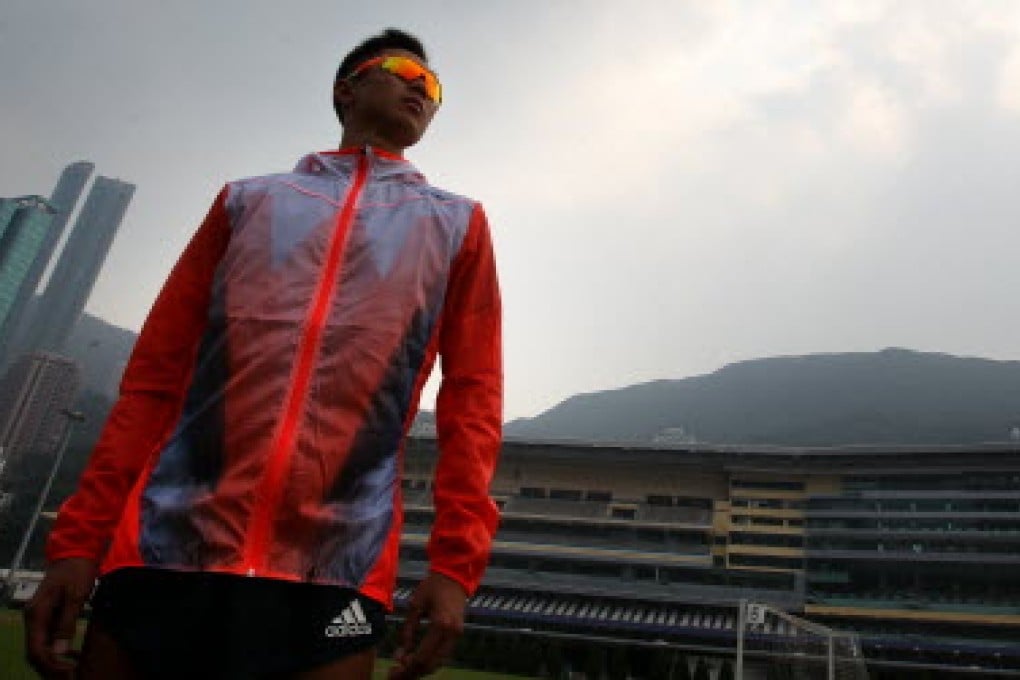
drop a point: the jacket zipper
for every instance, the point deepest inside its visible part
(270, 489)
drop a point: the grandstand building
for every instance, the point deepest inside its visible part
(916, 549)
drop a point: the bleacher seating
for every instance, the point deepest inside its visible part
(556, 507)
(614, 542)
(417, 498)
(656, 513)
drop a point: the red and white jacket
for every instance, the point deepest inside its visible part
(261, 419)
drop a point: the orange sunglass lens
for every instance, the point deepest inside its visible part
(408, 69)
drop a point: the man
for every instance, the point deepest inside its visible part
(242, 506)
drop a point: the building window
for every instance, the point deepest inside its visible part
(768, 484)
(774, 540)
(623, 513)
(768, 521)
(766, 561)
(688, 502)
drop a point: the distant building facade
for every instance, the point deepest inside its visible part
(63, 200)
(8, 206)
(27, 223)
(914, 549)
(33, 397)
(31, 267)
(68, 190)
(81, 260)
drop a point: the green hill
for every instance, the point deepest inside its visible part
(894, 396)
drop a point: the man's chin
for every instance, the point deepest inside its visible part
(406, 139)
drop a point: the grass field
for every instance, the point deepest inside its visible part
(13, 666)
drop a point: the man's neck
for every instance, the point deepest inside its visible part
(351, 140)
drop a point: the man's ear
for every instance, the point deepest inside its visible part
(343, 94)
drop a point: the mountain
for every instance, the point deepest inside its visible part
(101, 350)
(894, 396)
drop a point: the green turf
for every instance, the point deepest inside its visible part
(14, 667)
(12, 664)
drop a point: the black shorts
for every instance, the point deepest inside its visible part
(201, 625)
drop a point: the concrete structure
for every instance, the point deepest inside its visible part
(81, 260)
(652, 548)
(917, 550)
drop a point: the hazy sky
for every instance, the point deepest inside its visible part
(672, 186)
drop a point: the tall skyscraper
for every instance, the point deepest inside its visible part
(68, 190)
(76, 271)
(61, 204)
(65, 196)
(36, 396)
(8, 206)
(35, 392)
(21, 245)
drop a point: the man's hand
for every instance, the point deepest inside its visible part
(442, 601)
(51, 616)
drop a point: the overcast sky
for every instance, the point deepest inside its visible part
(671, 186)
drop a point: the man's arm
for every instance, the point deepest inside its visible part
(469, 413)
(150, 393)
(469, 424)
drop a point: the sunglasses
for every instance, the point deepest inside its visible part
(409, 70)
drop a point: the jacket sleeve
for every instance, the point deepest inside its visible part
(151, 393)
(469, 412)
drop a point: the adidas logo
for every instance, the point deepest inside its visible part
(351, 621)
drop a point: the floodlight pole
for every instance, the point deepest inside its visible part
(72, 417)
(741, 622)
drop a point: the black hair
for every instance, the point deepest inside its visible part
(389, 39)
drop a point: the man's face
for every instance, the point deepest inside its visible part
(383, 106)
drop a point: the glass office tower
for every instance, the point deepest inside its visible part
(80, 262)
(61, 204)
(21, 245)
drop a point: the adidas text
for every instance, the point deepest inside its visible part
(351, 621)
(348, 629)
